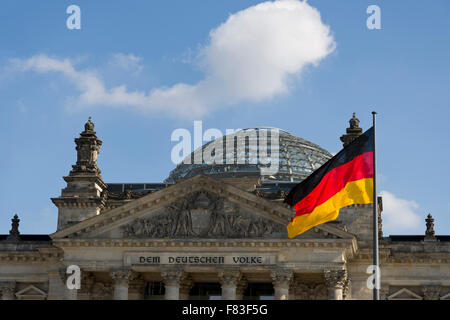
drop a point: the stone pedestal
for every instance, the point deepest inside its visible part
(8, 290)
(172, 278)
(335, 280)
(121, 279)
(281, 279)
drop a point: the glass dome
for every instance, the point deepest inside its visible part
(252, 152)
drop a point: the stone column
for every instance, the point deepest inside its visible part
(185, 288)
(281, 279)
(241, 286)
(87, 282)
(136, 288)
(56, 285)
(335, 280)
(172, 278)
(431, 292)
(8, 290)
(229, 279)
(121, 278)
(70, 294)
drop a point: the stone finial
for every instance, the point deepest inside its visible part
(354, 122)
(14, 232)
(429, 233)
(88, 148)
(353, 132)
(89, 125)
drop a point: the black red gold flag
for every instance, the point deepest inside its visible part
(345, 179)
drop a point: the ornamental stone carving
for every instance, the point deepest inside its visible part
(384, 292)
(14, 233)
(87, 281)
(8, 289)
(101, 291)
(431, 292)
(229, 277)
(335, 278)
(173, 276)
(88, 148)
(310, 291)
(240, 288)
(186, 285)
(429, 232)
(122, 276)
(281, 277)
(205, 215)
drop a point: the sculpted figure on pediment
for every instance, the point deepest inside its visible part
(202, 215)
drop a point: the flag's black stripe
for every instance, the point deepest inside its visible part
(363, 144)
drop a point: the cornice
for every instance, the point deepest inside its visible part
(42, 255)
(202, 243)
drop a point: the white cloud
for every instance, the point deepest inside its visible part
(128, 62)
(250, 57)
(399, 214)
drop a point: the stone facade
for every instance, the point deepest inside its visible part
(209, 230)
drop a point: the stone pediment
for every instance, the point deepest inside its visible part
(404, 294)
(199, 207)
(31, 293)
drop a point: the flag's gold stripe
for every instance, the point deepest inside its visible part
(354, 192)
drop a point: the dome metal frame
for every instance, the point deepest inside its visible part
(297, 159)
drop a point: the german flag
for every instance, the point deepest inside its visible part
(345, 179)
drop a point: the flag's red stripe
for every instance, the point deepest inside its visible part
(361, 167)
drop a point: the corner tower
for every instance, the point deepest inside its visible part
(83, 197)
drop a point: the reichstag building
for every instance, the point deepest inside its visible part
(213, 231)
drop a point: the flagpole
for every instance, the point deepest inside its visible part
(376, 291)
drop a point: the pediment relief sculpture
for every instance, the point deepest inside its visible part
(203, 214)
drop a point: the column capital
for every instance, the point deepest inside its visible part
(335, 278)
(281, 277)
(431, 292)
(230, 277)
(172, 276)
(121, 275)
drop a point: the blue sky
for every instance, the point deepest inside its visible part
(401, 71)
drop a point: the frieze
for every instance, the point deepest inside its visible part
(157, 258)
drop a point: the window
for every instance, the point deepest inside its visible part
(206, 291)
(154, 290)
(259, 291)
